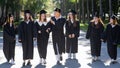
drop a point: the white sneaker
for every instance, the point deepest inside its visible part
(74, 56)
(97, 58)
(12, 62)
(93, 59)
(58, 57)
(44, 62)
(69, 55)
(40, 60)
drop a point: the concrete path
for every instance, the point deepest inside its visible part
(83, 57)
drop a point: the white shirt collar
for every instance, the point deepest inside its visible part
(96, 23)
(10, 24)
(42, 23)
(113, 25)
(72, 21)
(28, 21)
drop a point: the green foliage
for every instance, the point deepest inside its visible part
(84, 26)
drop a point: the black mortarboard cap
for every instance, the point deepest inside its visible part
(113, 17)
(72, 11)
(57, 10)
(27, 11)
(43, 12)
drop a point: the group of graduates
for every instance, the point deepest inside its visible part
(39, 30)
(97, 33)
(67, 42)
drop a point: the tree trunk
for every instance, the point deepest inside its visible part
(92, 7)
(101, 10)
(75, 5)
(110, 8)
(79, 11)
(88, 12)
(83, 15)
(2, 18)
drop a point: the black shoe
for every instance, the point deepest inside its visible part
(29, 63)
(113, 62)
(93, 60)
(23, 64)
(61, 58)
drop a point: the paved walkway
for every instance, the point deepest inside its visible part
(83, 57)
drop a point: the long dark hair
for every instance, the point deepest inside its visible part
(8, 18)
(45, 20)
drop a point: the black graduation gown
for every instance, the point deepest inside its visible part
(58, 36)
(42, 38)
(9, 41)
(72, 43)
(111, 36)
(26, 34)
(94, 33)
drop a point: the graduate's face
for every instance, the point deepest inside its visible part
(11, 19)
(43, 16)
(56, 14)
(111, 20)
(27, 16)
(70, 15)
(96, 19)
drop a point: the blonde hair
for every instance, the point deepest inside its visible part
(99, 20)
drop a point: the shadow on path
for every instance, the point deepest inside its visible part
(97, 64)
(117, 65)
(72, 63)
(5, 65)
(40, 66)
(58, 66)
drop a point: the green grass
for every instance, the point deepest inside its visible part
(0, 28)
(84, 26)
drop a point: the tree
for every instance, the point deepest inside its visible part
(83, 11)
(110, 8)
(88, 10)
(101, 10)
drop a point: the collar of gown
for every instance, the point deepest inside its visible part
(42, 23)
(27, 21)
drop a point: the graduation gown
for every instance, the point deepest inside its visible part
(72, 43)
(94, 33)
(58, 36)
(111, 36)
(9, 41)
(42, 37)
(26, 34)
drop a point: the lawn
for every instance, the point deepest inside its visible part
(83, 26)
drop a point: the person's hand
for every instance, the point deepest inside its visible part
(69, 36)
(52, 22)
(47, 31)
(39, 31)
(73, 35)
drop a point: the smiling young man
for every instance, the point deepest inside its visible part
(58, 34)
